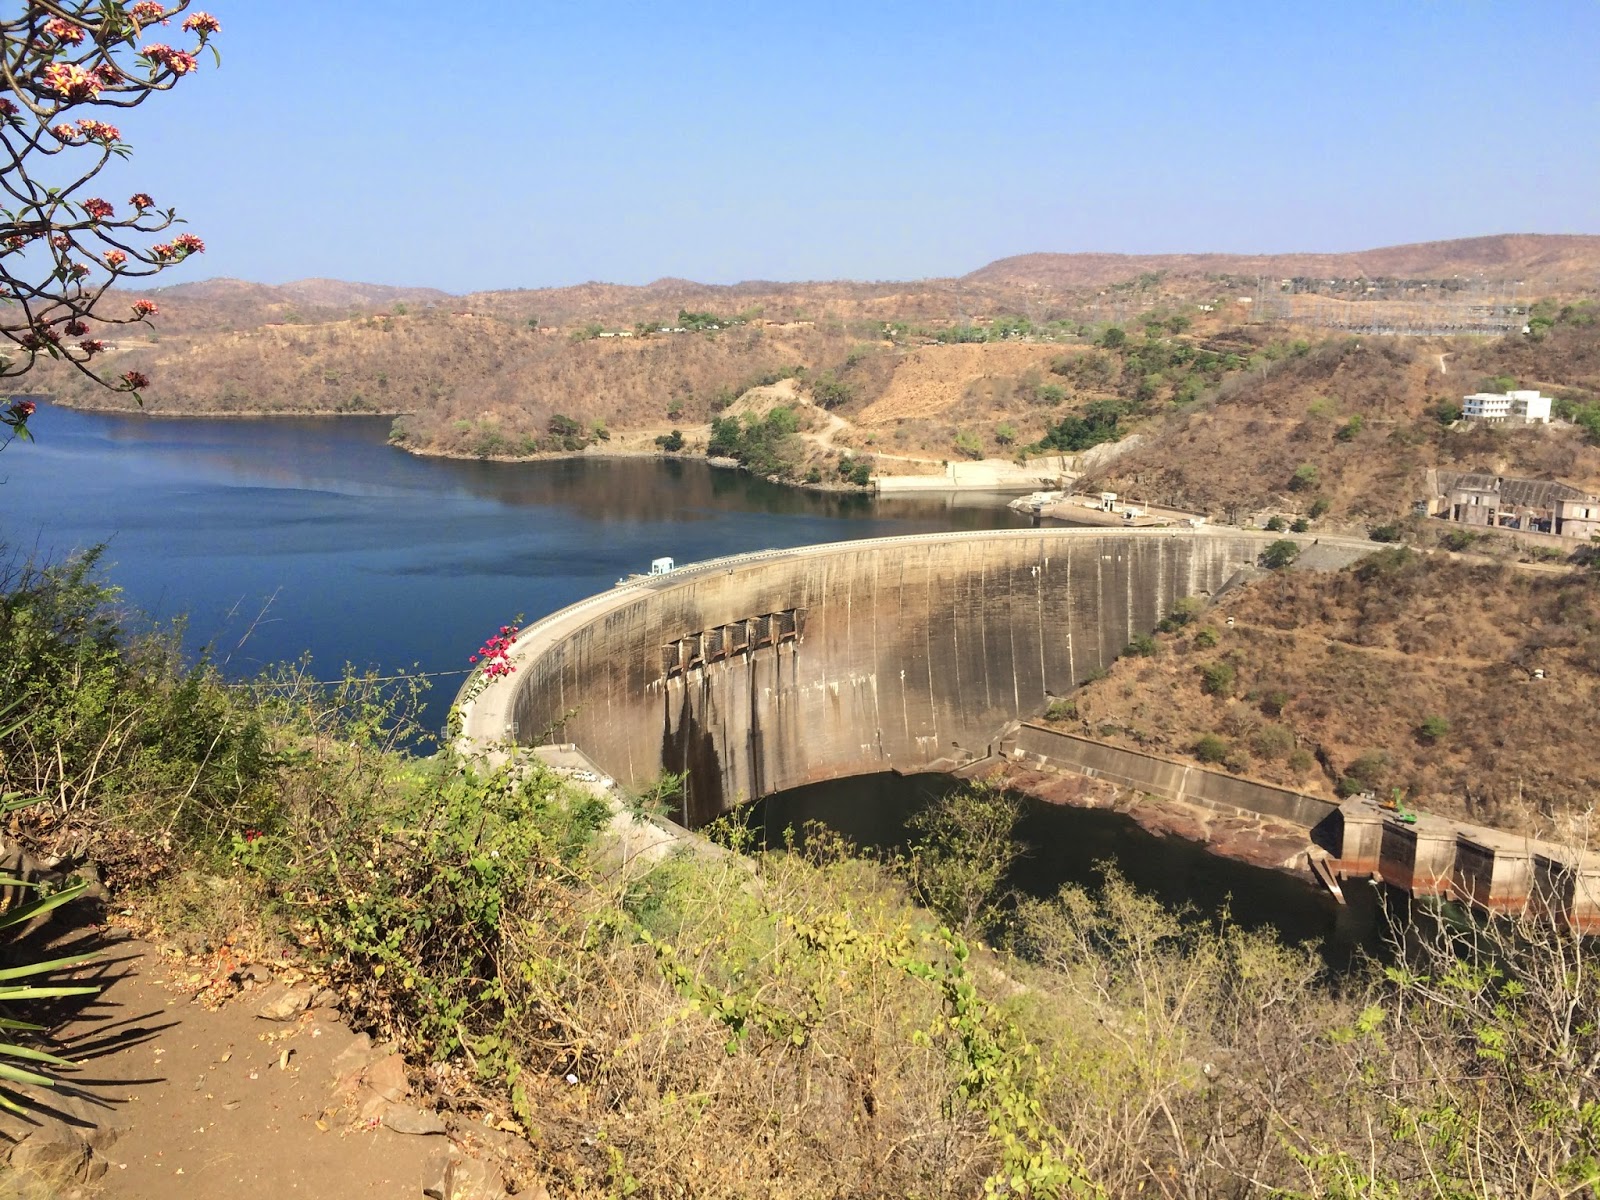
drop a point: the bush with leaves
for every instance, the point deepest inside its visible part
(962, 846)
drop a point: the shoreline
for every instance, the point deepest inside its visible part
(213, 414)
(827, 487)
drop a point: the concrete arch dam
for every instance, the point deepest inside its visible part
(766, 671)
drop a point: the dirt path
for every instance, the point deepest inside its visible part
(1389, 652)
(201, 1101)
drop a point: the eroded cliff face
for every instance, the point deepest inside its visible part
(768, 672)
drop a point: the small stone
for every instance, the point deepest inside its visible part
(387, 1077)
(449, 1176)
(55, 1153)
(353, 1059)
(402, 1118)
(280, 1003)
(325, 998)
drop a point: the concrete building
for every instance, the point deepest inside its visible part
(1500, 408)
(1578, 518)
(1487, 501)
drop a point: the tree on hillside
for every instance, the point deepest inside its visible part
(62, 244)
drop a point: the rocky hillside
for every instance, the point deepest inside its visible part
(1351, 425)
(1405, 671)
(1012, 360)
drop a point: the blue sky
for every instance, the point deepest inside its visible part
(447, 145)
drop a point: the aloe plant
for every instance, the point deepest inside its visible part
(12, 991)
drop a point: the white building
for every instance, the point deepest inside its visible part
(1520, 408)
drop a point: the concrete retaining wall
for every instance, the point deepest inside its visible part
(1173, 780)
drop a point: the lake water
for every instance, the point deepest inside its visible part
(283, 537)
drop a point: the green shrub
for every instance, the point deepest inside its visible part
(116, 724)
(961, 849)
(1432, 730)
(1205, 638)
(1143, 646)
(1280, 554)
(1319, 507)
(1183, 612)
(1276, 524)
(1218, 678)
(1274, 702)
(1061, 710)
(1300, 763)
(1210, 749)
(1350, 429)
(1390, 531)
(1272, 742)
(1305, 478)
(1300, 525)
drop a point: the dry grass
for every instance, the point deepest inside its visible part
(1351, 665)
(1236, 454)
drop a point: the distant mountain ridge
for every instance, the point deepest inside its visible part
(1551, 262)
(1564, 257)
(1550, 258)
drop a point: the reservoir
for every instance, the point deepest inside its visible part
(277, 538)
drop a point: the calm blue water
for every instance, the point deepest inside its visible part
(281, 537)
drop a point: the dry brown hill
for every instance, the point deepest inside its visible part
(1361, 413)
(229, 304)
(1406, 671)
(1546, 260)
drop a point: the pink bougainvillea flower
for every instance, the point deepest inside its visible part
(98, 208)
(64, 132)
(141, 200)
(91, 347)
(202, 23)
(22, 409)
(74, 329)
(147, 11)
(136, 380)
(99, 131)
(189, 244)
(115, 258)
(145, 308)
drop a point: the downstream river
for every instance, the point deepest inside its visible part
(278, 538)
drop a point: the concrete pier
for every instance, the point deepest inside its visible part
(1487, 869)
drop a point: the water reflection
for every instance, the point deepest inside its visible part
(282, 536)
(1071, 846)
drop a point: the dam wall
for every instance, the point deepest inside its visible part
(763, 672)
